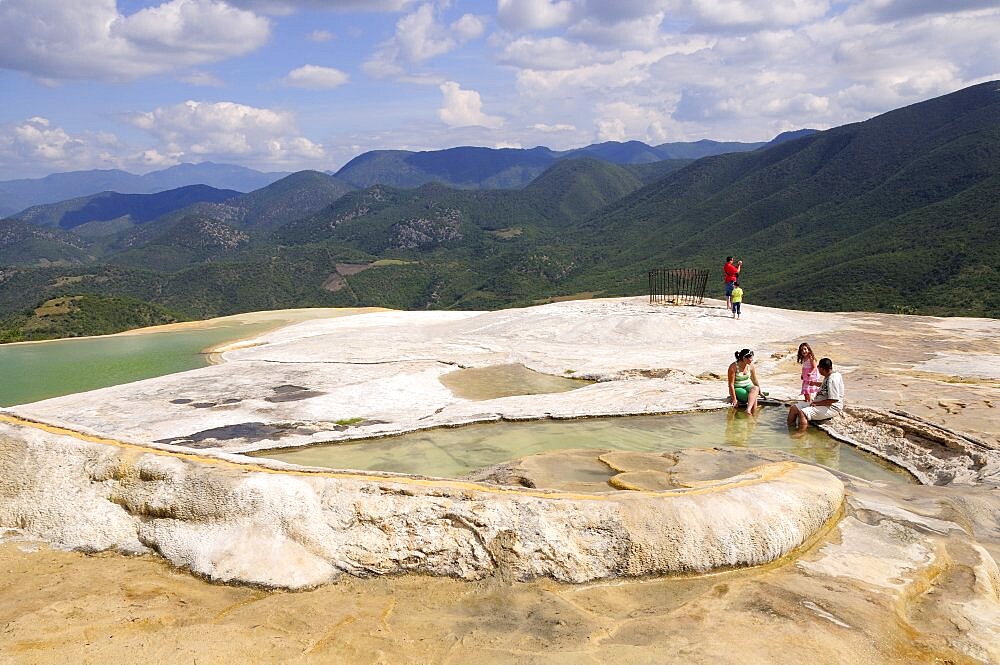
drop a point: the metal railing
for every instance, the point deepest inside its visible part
(677, 286)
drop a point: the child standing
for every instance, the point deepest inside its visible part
(737, 299)
(810, 371)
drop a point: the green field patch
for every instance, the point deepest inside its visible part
(391, 262)
(508, 233)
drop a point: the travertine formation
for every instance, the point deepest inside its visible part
(303, 529)
(905, 572)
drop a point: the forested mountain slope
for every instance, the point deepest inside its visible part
(900, 211)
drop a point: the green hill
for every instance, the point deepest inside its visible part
(294, 196)
(574, 188)
(892, 212)
(468, 167)
(83, 315)
(182, 243)
(107, 206)
(25, 244)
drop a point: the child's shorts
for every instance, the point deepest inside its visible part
(736, 307)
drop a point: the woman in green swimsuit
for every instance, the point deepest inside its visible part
(743, 385)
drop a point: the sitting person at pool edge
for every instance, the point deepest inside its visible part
(743, 385)
(828, 402)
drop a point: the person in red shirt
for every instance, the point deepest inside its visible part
(730, 273)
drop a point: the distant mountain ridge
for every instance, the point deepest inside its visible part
(511, 168)
(108, 206)
(467, 167)
(16, 195)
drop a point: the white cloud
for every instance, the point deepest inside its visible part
(90, 39)
(641, 32)
(321, 36)
(533, 14)
(618, 11)
(551, 53)
(291, 6)
(204, 79)
(468, 27)
(420, 37)
(559, 127)
(615, 71)
(227, 131)
(315, 77)
(750, 14)
(463, 108)
(36, 147)
(152, 159)
(882, 11)
(620, 121)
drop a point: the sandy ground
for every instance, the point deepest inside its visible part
(63, 607)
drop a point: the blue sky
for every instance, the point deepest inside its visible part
(291, 84)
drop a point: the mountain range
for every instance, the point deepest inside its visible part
(478, 168)
(897, 213)
(507, 168)
(16, 195)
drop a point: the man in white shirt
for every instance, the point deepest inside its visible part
(829, 401)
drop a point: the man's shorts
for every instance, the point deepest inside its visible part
(817, 412)
(729, 288)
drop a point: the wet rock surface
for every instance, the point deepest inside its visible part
(936, 455)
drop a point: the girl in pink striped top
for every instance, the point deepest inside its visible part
(810, 371)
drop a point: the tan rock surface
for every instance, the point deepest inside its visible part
(888, 584)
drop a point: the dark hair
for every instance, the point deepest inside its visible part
(744, 353)
(800, 357)
(825, 363)
(736, 283)
(728, 259)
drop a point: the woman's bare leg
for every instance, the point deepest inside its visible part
(752, 399)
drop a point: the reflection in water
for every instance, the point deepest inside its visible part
(739, 427)
(451, 452)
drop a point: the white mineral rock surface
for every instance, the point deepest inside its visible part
(154, 466)
(385, 367)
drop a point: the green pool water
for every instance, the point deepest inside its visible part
(451, 452)
(483, 383)
(32, 372)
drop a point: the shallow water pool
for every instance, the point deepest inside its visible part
(483, 383)
(452, 452)
(40, 370)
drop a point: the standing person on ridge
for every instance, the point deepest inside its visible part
(737, 298)
(729, 274)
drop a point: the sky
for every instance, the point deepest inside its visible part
(285, 85)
